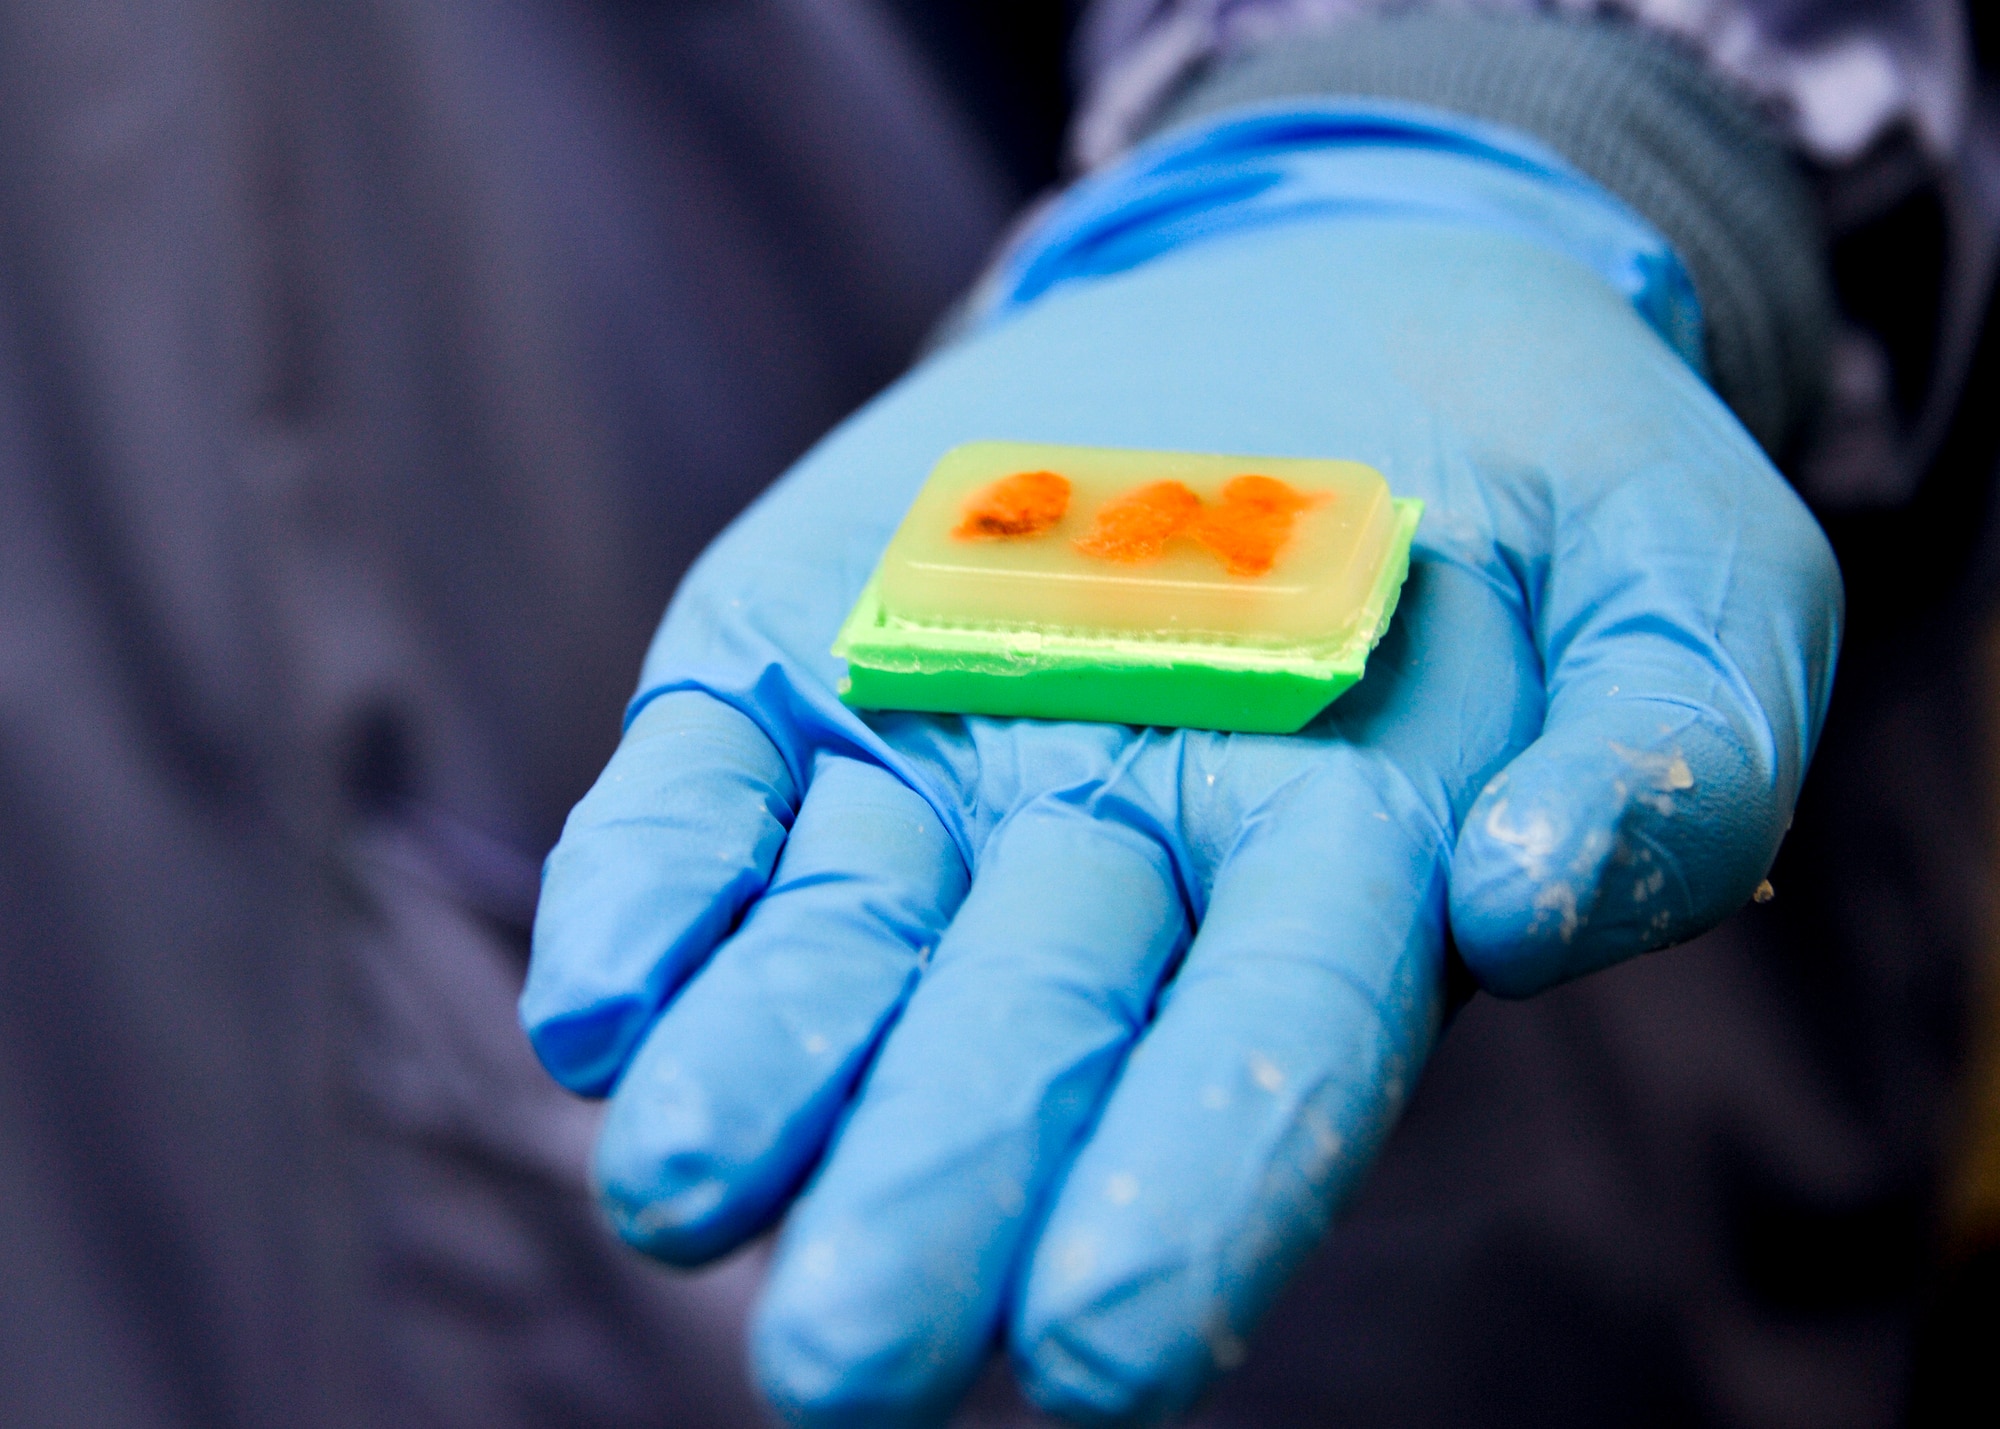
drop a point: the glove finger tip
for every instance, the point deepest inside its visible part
(819, 1369)
(1067, 1370)
(674, 1220)
(1591, 849)
(687, 1167)
(672, 1198)
(1113, 1326)
(584, 1049)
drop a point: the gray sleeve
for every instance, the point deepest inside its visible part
(1640, 115)
(1834, 78)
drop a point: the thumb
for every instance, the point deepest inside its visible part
(1690, 663)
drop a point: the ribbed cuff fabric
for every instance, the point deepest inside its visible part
(1638, 115)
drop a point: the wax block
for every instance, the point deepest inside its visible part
(1142, 587)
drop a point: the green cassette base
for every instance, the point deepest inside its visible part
(1121, 679)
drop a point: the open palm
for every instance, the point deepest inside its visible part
(1080, 1033)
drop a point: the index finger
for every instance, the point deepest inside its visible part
(1690, 621)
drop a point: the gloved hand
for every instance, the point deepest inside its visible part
(1080, 1033)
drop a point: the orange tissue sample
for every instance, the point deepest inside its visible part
(1245, 530)
(1252, 523)
(1136, 526)
(1024, 504)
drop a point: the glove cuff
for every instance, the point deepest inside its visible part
(1640, 117)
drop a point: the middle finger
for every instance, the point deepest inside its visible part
(888, 1285)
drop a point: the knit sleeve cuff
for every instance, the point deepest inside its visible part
(1638, 115)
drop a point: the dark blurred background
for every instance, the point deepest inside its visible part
(369, 373)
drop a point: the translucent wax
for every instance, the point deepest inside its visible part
(1030, 537)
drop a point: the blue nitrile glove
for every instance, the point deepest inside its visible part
(1082, 1032)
